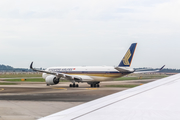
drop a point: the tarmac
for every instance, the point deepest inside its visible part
(30, 101)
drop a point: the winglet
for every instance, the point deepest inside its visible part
(31, 66)
(127, 59)
(162, 67)
(48, 72)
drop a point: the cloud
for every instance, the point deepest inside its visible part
(168, 11)
(58, 32)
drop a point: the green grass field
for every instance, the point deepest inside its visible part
(122, 86)
(130, 77)
(31, 80)
(19, 75)
(27, 80)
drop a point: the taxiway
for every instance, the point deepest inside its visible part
(31, 101)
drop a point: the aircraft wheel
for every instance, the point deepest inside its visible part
(77, 85)
(97, 85)
(91, 85)
(70, 85)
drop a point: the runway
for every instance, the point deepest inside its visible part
(33, 101)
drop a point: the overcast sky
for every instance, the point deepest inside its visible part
(89, 32)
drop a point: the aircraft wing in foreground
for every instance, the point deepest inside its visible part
(158, 100)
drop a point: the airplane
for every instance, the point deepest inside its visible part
(157, 100)
(93, 75)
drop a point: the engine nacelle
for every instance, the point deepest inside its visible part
(52, 80)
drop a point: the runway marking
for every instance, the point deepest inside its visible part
(1, 89)
(92, 88)
(60, 88)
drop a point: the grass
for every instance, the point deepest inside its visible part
(7, 83)
(19, 75)
(27, 80)
(25, 75)
(122, 86)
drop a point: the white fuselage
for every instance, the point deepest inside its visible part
(91, 73)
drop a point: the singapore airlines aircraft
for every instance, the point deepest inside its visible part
(91, 75)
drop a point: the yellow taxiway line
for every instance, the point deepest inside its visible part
(92, 88)
(60, 88)
(86, 88)
(1, 89)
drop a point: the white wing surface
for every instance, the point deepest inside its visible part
(158, 100)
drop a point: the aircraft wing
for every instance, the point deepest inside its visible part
(124, 69)
(150, 71)
(129, 70)
(158, 100)
(59, 75)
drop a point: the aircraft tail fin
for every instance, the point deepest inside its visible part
(127, 59)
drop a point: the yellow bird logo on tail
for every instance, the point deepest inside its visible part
(126, 58)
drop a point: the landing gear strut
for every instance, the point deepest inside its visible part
(73, 85)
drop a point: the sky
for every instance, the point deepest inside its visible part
(89, 32)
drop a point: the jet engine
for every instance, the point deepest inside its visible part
(52, 80)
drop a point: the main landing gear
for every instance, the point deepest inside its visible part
(94, 84)
(73, 85)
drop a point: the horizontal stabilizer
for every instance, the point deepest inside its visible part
(124, 69)
(150, 71)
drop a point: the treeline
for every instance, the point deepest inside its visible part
(7, 68)
(167, 70)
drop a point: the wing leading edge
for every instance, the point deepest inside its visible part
(150, 71)
(158, 100)
(59, 75)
